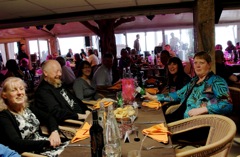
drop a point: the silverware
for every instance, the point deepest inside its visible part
(78, 145)
(156, 147)
(150, 122)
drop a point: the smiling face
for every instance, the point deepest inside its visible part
(52, 73)
(173, 68)
(14, 94)
(201, 67)
(86, 71)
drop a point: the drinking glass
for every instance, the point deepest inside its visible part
(134, 153)
(133, 117)
(110, 150)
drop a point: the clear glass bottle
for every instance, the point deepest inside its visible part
(124, 74)
(96, 134)
(101, 119)
(112, 132)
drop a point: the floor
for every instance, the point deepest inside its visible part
(235, 150)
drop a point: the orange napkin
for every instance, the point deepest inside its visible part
(157, 132)
(82, 133)
(105, 101)
(117, 86)
(152, 104)
(153, 91)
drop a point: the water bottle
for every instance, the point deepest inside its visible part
(112, 132)
(129, 73)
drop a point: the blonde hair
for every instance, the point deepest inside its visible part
(7, 85)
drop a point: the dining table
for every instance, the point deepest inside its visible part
(146, 117)
(233, 66)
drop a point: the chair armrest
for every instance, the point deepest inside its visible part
(234, 89)
(171, 109)
(71, 121)
(28, 154)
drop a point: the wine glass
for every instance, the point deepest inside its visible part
(134, 116)
(110, 150)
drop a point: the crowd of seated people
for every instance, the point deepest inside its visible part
(53, 98)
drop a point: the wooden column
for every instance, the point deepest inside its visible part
(204, 28)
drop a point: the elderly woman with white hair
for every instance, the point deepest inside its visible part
(19, 124)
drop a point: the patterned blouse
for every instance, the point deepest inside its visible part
(29, 128)
(212, 93)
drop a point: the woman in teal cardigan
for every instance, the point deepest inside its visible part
(206, 93)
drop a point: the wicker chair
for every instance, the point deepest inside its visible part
(235, 94)
(220, 137)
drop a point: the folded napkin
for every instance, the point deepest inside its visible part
(157, 132)
(152, 104)
(153, 91)
(116, 86)
(105, 101)
(82, 133)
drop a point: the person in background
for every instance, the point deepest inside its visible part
(19, 123)
(78, 60)
(136, 44)
(68, 75)
(222, 70)
(84, 88)
(206, 93)
(171, 52)
(6, 152)
(22, 52)
(164, 57)
(28, 74)
(174, 43)
(53, 97)
(218, 47)
(93, 60)
(125, 61)
(103, 75)
(13, 69)
(83, 55)
(230, 47)
(70, 53)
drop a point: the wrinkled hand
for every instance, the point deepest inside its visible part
(54, 139)
(84, 116)
(197, 111)
(149, 96)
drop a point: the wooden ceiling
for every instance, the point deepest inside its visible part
(18, 18)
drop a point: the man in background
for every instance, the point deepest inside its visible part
(136, 45)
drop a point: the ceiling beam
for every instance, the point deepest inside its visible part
(98, 14)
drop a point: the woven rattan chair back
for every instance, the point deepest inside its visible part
(220, 137)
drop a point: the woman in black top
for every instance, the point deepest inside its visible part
(19, 125)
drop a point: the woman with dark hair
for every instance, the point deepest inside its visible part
(176, 77)
(78, 60)
(83, 86)
(206, 93)
(13, 69)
